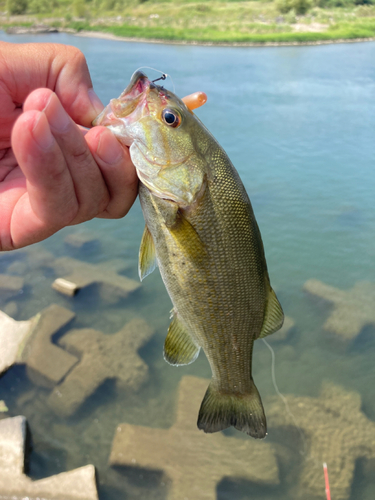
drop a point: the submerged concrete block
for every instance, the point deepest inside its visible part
(13, 335)
(46, 362)
(79, 484)
(335, 431)
(10, 285)
(102, 357)
(193, 461)
(82, 240)
(30, 343)
(81, 274)
(353, 309)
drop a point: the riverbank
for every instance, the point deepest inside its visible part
(223, 23)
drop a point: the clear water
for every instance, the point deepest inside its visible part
(298, 124)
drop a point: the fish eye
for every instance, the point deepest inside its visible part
(171, 118)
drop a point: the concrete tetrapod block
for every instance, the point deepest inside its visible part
(10, 285)
(82, 240)
(352, 309)
(193, 461)
(46, 362)
(102, 357)
(81, 274)
(13, 335)
(30, 342)
(336, 432)
(78, 484)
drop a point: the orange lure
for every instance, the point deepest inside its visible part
(195, 100)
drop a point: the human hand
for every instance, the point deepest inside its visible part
(53, 173)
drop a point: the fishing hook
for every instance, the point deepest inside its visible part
(163, 77)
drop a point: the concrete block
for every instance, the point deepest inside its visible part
(102, 357)
(79, 274)
(353, 309)
(335, 431)
(193, 461)
(30, 343)
(78, 484)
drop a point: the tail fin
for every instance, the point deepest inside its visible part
(244, 411)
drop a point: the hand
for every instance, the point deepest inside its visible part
(52, 173)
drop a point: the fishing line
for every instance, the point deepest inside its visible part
(283, 398)
(158, 71)
(289, 412)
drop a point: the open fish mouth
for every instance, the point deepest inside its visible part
(127, 109)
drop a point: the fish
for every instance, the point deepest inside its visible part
(202, 234)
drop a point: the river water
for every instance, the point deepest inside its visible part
(298, 124)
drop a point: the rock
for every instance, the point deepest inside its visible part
(102, 357)
(10, 285)
(30, 342)
(83, 274)
(352, 309)
(193, 461)
(79, 484)
(336, 432)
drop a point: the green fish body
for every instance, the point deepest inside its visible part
(202, 234)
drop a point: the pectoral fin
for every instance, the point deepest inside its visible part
(183, 233)
(147, 255)
(274, 316)
(179, 348)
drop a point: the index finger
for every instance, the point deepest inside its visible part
(61, 68)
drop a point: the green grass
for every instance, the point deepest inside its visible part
(340, 31)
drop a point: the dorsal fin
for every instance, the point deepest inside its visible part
(147, 255)
(274, 316)
(179, 348)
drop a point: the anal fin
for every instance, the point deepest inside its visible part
(147, 255)
(274, 316)
(179, 348)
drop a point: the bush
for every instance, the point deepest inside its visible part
(16, 7)
(299, 6)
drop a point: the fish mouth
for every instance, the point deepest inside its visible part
(131, 106)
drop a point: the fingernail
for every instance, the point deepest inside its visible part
(95, 101)
(42, 133)
(57, 116)
(109, 149)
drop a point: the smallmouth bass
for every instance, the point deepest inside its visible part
(202, 234)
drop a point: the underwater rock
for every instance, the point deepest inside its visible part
(30, 343)
(102, 357)
(78, 484)
(82, 274)
(10, 285)
(82, 240)
(353, 309)
(193, 461)
(335, 431)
